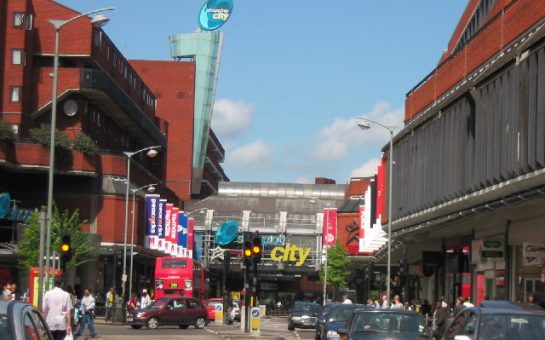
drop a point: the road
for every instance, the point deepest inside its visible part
(271, 329)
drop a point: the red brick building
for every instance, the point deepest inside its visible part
(121, 106)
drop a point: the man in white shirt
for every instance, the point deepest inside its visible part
(56, 310)
(346, 300)
(145, 300)
(88, 310)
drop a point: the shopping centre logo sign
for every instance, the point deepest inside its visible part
(215, 13)
(290, 253)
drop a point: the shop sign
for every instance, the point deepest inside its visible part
(492, 248)
(533, 253)
(215, 13)
(290, 253)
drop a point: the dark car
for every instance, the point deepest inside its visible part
(493, 322)
(21, 321)
(170, 311)
(303, 315)
(334, 317)
(385, 324)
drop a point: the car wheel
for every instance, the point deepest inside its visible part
(183, 326)
(200, 323)
(290, 327)
(136, 326)
(152, 323)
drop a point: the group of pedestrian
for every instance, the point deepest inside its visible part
(9, 291)
(57, 309)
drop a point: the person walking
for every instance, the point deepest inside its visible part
(56, 308)
(110, 298)
(145, 300)
(440, 318)
(397, 303)
(88, 310)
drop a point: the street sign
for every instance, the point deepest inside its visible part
(255, 320)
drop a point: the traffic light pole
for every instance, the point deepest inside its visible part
(247, 300)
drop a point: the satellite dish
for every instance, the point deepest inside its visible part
(70, 107)
(5, 202)
(226, 233)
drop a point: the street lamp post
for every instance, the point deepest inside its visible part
(364, 125)
(151, 188)
(324, 249)
(97, 21)
(152, 152)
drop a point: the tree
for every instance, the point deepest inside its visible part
(61, 223)
(337, 259)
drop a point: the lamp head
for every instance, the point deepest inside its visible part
(152, 153)
(99, 20)
(152, 188)
(364, 124)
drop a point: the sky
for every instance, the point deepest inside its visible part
(295, 75)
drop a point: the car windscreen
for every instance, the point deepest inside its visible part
(512, 326)
(341, 313)
(314, 309)
(388, 322)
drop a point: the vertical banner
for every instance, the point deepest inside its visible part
(190, 237)
(182, 235)
(174, 231)
(329, 233)
(152, 201)
(361, 213)
(380, 190)
(168, 225)
(161, 224)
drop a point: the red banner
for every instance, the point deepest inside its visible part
(329, 234)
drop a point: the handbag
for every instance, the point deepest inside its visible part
(69, 336)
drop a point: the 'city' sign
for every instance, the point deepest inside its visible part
(290, 253)
(215, 13)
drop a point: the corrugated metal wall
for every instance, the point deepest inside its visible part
(490, 134)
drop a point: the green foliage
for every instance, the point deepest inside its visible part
(6, 134)
(337, 259)
(66, 222)
(42, 135)
(85, 144)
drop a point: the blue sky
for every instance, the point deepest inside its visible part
(296, 74)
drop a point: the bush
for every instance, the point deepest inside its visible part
(85, 144)
(42, 135)
(6, 134)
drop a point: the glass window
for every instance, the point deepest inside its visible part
(18, 57)
(40, 325)
(18, 19)
(15, 95)
(29, 331)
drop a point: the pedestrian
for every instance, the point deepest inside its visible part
(6, 292)
(397, 303)
(132, 303)
(145, 300)
(346, 300)
(14, 294)
(385, 302)
(459, 306)
(440, 318)
(110, 298)
(88, 310)
(56, 308)
(467, 303)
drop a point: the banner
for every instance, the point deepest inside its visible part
(168, 224)
(174, 231)
(380, 190)
(329, 233)
(152, 201)
(161, 224)
(182, 235)
(190, 237)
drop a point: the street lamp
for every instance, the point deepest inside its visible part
(152, 152)
(97, 21)
(151, 188)
(364, 125)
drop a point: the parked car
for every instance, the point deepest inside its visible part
(385, 324)
(303, 315)
(211, 307)
(236, 311)
(180, 311)
(334, 317)
(493, 321)
(21, 321)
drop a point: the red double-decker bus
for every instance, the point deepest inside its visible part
(176, 276)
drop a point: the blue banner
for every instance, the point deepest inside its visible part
(183, 224)
(152, 202)
(161, 224)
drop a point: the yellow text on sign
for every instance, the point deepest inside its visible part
(290, 253)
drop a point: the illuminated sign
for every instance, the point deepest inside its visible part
(290, 253)
(215, 13)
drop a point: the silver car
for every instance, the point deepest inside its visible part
(20, 321)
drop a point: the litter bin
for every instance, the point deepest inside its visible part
(118, 315)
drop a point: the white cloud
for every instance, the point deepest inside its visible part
(368, 168)
(231, 118)
(255, 156)
(333, 142)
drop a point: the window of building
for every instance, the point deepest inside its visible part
(18, 57)
(15, 94)
(23, 20)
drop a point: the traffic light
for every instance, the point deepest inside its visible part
(65, 248)
(257, 250)
(247, 253)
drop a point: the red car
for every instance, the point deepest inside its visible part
(211, 307)
(170, 311)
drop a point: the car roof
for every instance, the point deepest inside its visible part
(389, 311)
(508, 304)
(513, 311)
